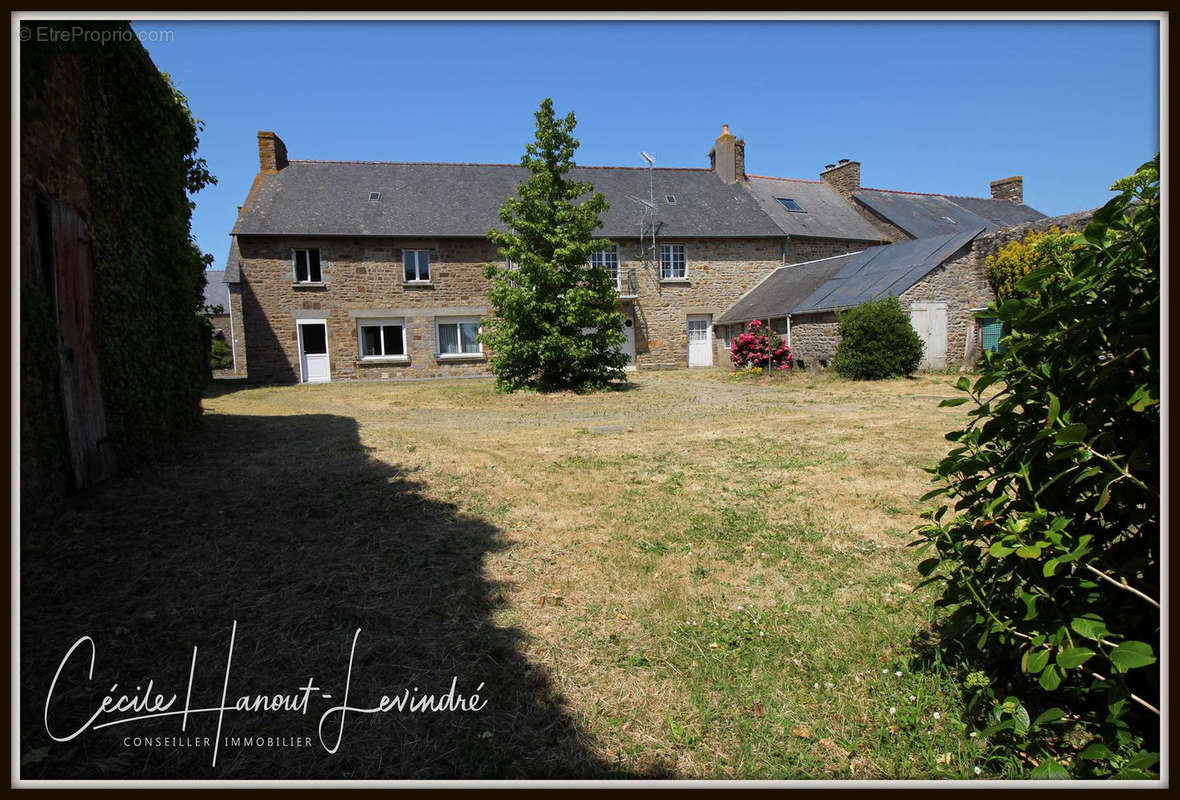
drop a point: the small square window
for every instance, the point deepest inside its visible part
(374, 195)
(791, 205)
(671, 199)
(307, 265)
(417, 265)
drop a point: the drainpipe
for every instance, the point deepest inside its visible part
(789, 334)
(233, 345)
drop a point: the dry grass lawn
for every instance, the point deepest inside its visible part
(701, 576)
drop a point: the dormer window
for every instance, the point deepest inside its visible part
(307, 265)
(791, 205)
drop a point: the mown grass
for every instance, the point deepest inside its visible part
(715, 582)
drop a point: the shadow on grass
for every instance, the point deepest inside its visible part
(223, 386)
(286, 525)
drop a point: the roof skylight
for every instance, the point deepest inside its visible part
(374, 195)
(791, 205)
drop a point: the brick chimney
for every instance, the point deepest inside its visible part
(1010, 189)
(728, 157)
(844, 176)
(272, 153)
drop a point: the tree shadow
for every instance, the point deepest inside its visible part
(289, 527)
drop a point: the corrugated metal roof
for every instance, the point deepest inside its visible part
(332, 198)
(926, 215)
(216, 290)
(826, 213)
(884, 271)
(783, 289)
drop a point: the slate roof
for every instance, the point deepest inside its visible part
(783, 289)
(884, 271)
(322, 198)
(216, 290)
(825, 213)
(233, 262)
(926, 215)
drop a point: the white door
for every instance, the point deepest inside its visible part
(313, 351)
(700, 344)
(629, 342)
(929, 320)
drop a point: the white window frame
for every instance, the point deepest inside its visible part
(417, 279)
(665, 273)
(600, 258)
(457, 321)
(370, 322)
(295, 268)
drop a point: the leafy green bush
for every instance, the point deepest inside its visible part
(877, 341)
(1048, 541)
(220, 355)
(1036, 251)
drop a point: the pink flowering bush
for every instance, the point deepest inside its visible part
(759, 348)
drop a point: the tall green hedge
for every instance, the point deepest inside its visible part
(1047, 540)
(140, 166)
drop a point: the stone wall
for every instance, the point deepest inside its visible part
(719, 271)
(814, 338)
(990, 242)
(363, 278)
(237, 330)
(960, 283)
(888, 230)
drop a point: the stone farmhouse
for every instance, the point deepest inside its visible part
(374, 270)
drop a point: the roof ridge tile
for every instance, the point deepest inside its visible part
(478, 164)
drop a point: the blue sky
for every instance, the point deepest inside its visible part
(924, 106)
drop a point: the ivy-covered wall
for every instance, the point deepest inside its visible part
(105, 131)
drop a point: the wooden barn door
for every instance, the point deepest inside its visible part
(929, 320)
(91, 452)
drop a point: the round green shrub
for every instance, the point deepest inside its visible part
(877, 341)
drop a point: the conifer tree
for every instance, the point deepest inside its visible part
(557, 325)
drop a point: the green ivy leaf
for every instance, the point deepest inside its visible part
(1090, 626)
(1096, 751)
(1047, 716)
(1131, 655)
(1072, 434)
(1074, 657)
(1051, 678)
(1049, 770)
(1054, 410)
(999, 550)
(1035, 660)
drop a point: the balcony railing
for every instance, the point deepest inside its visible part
(628, 284)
